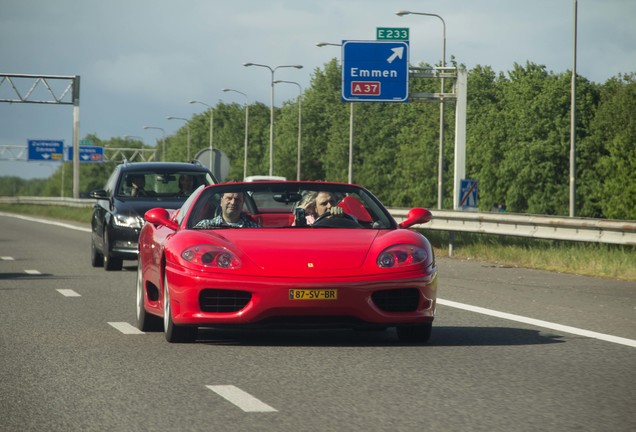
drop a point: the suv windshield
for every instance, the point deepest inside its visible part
(161, 184)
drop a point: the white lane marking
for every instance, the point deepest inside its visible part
(7, 258)
(44, 221)
(540, 323)
(241, 399)
(126, 328)
(32, 272)
(68, 293)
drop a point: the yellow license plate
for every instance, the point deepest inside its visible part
(305, 294)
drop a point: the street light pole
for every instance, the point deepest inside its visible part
(300, 111)
(247, 119)
(271, 109)
(440, 167)
(211, 126)
(163, 141)
(188, 128)
(573, 123)
(350, 168)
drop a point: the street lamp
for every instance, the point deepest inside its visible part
(211, 126)
(322, 44)
(247, 119)
(300, 110)
(188, 126)
(573, 120)
(163, 141)
(440, 168)
(271, 109)
(350, 169)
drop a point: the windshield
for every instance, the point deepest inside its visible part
(287, 205)
(161, 184)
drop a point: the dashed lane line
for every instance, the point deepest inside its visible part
(33, 272)
(241, 399)
(126, 328)
(68, 293)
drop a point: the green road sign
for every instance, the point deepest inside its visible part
(392, 33)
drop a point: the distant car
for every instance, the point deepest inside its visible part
(359, 269)
(118, 212)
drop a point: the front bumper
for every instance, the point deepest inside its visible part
(361, 301)
(124, 242)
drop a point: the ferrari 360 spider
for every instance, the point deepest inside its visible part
(284, 254)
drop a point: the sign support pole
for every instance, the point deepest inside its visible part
(76, 133)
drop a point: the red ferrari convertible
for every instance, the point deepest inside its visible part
(284, 254)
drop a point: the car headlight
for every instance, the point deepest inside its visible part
(401, 256)
(128, 221)
(209, 256)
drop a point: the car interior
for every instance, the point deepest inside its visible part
(275, 207)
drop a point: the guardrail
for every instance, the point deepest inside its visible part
(68, 202)
(531, 226)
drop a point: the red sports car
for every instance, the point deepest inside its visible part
(284, 254)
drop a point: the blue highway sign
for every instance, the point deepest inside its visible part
(88, 154)
(46, 150)
(468, 195)
(375, 71)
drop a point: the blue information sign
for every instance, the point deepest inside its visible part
(468, 193)
(88, 154)
(375, 71)
(46, 150)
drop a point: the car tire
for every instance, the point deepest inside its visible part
(146, 322)
(174, 333)
(97, 259)
(110, 262)
(415, 333)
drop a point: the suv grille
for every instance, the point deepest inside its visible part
(397, 300)
(219, 300)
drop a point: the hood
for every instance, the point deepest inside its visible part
(300, 252)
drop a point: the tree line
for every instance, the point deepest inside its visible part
(517, 143)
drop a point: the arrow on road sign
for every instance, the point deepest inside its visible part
(397, 53)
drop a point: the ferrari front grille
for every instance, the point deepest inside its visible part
(221, 300)
(397, 300)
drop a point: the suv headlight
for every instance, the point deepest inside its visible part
(128, 221)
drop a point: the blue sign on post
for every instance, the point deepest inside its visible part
(88, 154)
(46, 150)
(375, 71)
(468, 193)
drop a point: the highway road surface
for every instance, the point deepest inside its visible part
(512, 350)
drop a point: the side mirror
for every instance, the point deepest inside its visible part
(160, 216)
(416, 216)
(98, 194)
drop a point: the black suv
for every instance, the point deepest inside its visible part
(131, 190)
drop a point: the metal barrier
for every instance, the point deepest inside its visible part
(531, 226)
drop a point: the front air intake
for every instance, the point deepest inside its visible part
(397, 300)
(221, 300)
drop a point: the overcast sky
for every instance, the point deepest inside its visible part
(143, 60)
